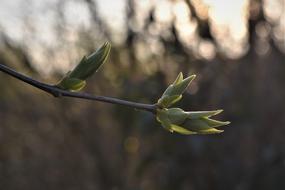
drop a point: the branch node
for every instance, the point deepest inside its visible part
(56, 94)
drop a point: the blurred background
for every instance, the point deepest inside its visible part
(236, 48)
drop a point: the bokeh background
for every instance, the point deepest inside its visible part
(236, 48)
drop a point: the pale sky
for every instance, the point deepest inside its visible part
(227, 21)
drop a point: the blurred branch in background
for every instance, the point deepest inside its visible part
(237, 47)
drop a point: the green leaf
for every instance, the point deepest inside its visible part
(166, 101)
(72, 84)
(200, 114)
(182, 130)
(178, 79)
(210, 131)
(215, 123)
(200, 126)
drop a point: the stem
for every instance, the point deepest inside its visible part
(57, 92)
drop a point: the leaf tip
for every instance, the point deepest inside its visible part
(179, 78)
(227, 122)
(218, 111)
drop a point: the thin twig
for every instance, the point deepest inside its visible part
(57, 92)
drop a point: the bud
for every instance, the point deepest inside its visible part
(86, 67)
(89, 65)
(174, 91)
(175, 119)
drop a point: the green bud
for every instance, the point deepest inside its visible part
(75, 79)
(162, 117)
(174, 91)
(177, 120)
(89, 65)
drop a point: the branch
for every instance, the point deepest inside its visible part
(57, 92)
(172, 119)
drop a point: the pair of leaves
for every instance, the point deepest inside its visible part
(174, 91)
